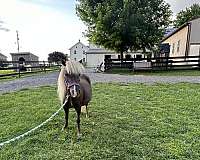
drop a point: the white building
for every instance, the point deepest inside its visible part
(3, 57)
(78, 52)
(96, 55)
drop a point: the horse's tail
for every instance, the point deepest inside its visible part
(61, 86)
(83, 76)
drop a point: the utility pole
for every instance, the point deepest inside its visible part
(17, 41)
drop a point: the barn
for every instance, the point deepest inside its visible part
(25, 58)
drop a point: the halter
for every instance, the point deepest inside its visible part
(69, 84)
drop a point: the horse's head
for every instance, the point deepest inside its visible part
(73, 85)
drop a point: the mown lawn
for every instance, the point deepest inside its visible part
(6, 71)
(133, 121)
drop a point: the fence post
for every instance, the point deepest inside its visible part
(44, 66)
(132, 61)
(18, 69)
(105, 65)
(167, 61)
(199, 58)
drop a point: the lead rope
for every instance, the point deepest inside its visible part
(32, 130)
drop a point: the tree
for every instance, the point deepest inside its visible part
(57, 57)
(124, 25)
(2, 27)
(186, 15)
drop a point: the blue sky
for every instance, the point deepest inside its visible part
(47, 25)
(44, 26)
(60, 5)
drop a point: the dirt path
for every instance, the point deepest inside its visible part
(51, 79)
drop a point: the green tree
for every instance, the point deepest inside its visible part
(186, 15)
(123, 25)
(57, 57)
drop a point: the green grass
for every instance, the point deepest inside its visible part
(6, 71)
(133, 121)
(157, 73)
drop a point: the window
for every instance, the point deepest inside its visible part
(128, 56)
(178, 46)
(74, 51)
(138, 57)
(107, 56)
(83, 51)
(75, 59)
(173, 46)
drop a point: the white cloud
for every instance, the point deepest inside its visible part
(178, 5)
(41, 29)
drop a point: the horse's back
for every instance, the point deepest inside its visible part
(85, 77)
(87, 88)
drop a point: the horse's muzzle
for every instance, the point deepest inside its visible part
(74, 90)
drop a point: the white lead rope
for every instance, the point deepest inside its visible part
(30, 131)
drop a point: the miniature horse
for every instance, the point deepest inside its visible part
(74, 90)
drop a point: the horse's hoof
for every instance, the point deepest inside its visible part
(79, 136)
(64, 129)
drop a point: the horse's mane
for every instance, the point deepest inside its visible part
(71, 68)
(74, 67)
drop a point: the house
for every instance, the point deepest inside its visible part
(185, 41)
(3, 57)
(93, 56)
(25, 58)
(78, 52)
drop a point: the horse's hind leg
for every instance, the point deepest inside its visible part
(87, 115)
(78, 111)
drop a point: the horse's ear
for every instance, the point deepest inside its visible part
(63, 62)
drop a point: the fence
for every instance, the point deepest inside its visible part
(157, 63)
(17, 68)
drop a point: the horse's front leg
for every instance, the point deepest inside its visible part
(66, 109)
(78, 111)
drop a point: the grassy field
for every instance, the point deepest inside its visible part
(156, 73)
(6, 71)
(133, 121)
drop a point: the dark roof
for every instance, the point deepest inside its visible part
(3, 55)
(175, 31)
(23, 53)
(178, 29)
(168, 31)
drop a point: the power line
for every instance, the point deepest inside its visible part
(17, 41)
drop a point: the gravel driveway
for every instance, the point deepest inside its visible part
(51, 79)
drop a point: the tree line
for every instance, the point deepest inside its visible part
(128, 25)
